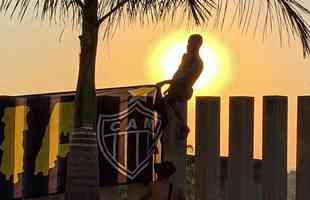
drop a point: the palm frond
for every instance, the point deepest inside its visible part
(287, 17)
(196, 12)
(52, 10)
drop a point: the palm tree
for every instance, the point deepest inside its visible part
(91, 15)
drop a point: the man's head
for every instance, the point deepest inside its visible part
(194, 43)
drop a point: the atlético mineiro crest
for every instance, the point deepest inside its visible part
(127, 139)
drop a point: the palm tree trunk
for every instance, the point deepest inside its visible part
(83, 170)
(85, 109)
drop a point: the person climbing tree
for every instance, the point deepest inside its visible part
(181, 85)
(170, 107)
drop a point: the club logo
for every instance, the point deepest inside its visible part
(127, 139)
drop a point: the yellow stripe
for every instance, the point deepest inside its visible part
(48, 153)
(54, 135)
(61, 120)
(20, 127)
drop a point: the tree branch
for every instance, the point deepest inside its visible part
(112, 11)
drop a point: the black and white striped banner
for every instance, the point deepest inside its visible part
(34, 139)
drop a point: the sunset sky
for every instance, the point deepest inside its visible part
(37, 58)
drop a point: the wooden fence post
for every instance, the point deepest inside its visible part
(207, 141)
(240, 173)
(275, 147)
(303, 149)
(174, 148)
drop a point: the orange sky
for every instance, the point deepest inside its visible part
(34, 60)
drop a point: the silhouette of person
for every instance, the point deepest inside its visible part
(181, 85)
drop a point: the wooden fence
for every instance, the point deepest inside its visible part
(240, 181)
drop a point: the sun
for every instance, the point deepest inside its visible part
(167, 54)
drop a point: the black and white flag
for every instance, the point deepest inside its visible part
(128, 129)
